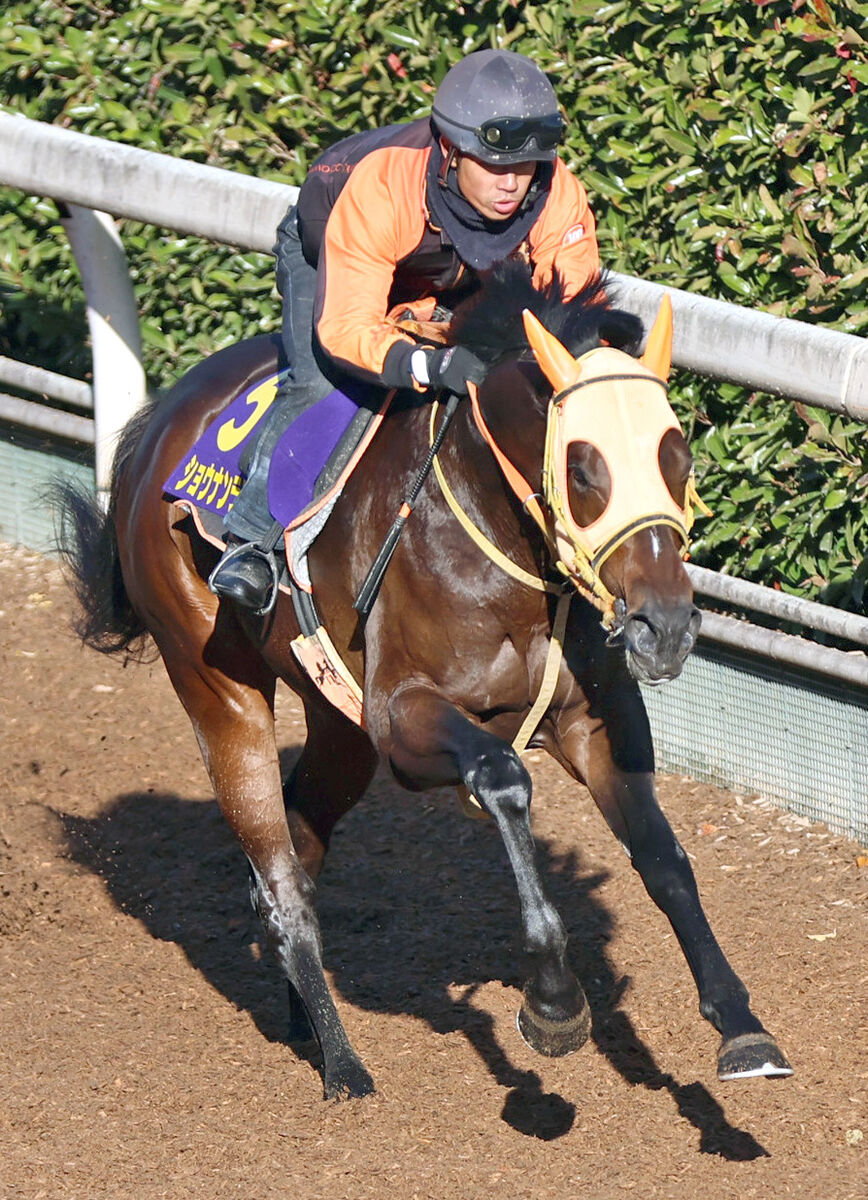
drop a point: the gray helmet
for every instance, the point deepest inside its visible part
(499, 107)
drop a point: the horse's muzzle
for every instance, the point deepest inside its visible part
(657, 640)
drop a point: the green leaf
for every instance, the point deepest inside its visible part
(732, 280)
(401, 37)
(769, 203)
(214, 67)
(677, 141)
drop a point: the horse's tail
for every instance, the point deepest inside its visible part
(86, 539)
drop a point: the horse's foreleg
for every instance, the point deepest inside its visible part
(432, 744)
(235, 726)
(628, 802)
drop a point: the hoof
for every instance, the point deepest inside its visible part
(348, 1081)
(751, 1056)
(554, 1038)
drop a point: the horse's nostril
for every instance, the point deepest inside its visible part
(664, 639)
(642, 637)
(691, 633)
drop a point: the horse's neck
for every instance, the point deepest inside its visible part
(478, 484)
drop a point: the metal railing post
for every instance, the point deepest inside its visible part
(119, 387)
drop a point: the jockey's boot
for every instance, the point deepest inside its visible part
(247, 574)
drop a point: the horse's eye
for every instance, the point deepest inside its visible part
(676, 463)
(590, 484)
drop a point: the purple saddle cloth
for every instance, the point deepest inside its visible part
(210, 477)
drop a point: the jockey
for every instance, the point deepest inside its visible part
(406, 217)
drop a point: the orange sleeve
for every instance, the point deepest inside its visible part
(377, 220)
(565, 237)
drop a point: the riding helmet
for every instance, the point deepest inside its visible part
(499, 107)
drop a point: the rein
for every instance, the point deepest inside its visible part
(530, 503)
(585, 579)
(475, 533)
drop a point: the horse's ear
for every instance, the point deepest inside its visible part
(559, 366)
(658, 348)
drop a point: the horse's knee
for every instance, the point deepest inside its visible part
(500, 782)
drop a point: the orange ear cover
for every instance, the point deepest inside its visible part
(558, 365)
(658, 349)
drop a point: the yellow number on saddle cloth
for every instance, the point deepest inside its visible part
(230, 435)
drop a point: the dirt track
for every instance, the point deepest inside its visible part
(142, 1026)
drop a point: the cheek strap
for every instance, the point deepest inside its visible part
(527, 496)
(582, 575)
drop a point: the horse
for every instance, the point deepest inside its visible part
(493, 619)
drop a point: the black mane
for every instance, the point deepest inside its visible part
(490, 323)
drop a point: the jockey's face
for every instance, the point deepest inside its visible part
(495, 192)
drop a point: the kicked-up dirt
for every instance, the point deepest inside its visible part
(143, 1027)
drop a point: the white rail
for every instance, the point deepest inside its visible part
(45, 160)
(785, 607)
(771, 354)
(45, 419)
(45, 383)
(851, 666)
(804, 362)
(819, 366)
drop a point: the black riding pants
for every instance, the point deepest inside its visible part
(305, 384)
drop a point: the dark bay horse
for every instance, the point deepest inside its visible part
(455, 650)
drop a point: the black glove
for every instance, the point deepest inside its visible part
(451, 367)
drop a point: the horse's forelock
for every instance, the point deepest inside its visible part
(490, 322)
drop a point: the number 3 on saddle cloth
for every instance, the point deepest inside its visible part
(309, 466)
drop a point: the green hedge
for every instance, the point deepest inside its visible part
(724, 147)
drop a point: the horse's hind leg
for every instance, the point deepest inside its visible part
(234, 723)
(625, 794)
(335, 767)
(332, 773)
(432, 743)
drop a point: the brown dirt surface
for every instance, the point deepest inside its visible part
(143, 1027)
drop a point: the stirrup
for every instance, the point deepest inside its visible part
(232, 552)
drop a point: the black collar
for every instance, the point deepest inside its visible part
(481, 243)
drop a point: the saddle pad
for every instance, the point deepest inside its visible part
(210, 474)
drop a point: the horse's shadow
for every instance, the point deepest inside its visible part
(418, 909)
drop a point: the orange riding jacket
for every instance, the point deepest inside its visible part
(365, 221)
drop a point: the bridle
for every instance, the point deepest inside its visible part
(606, 393)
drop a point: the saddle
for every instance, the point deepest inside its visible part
(312, 454)
(309, 468)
